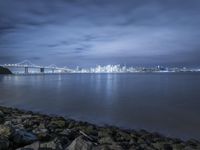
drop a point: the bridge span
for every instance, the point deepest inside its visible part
(27, 65)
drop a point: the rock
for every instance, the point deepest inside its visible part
(5, 131)
(4, 144)
(1, 117)
(192, 142)
(41, 132)
(22, 137)
(90, 129)
(122, 136)
(108, 147)
(178, 146)
(189, 148)
(105, 132)
(17, 120)
(58, 123)
(8, 123)
(70, 133)
(80, 144)
(167, 147)
(56, 144)
(106, 140)
(51, 145)
(33, 146)
(32, 131)
(162, 146)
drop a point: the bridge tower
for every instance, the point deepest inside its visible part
(26, 70)
(53, 70)
(41, 70)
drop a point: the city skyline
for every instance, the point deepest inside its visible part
(100, 32)
(27, 67)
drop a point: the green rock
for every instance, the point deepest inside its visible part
(106, 140)
(5, 131)
(58, 123)
(162, 146)
(178, 146)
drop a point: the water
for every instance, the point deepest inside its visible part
(163, 102)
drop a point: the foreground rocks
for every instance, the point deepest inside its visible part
(32, 131)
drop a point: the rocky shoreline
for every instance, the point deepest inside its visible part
(25, 130)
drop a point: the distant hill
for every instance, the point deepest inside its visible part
(4, 70)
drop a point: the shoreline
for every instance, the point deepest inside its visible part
(26, 130)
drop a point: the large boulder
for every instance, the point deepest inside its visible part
(80, 144)
(56, 144)
(4, 143)
(22, 137)
(5, 131)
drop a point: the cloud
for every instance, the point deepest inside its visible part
(99, 31)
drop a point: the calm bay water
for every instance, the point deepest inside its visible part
(164, 102)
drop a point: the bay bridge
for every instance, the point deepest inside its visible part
(27, 65)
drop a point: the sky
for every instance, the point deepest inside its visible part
(99, 32)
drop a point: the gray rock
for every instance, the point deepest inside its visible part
(42, 134)
(70, 133)
(80, 144)
(106, 140)
(178, 146)
(108, 147)
(5, 131)
(1, 117)
(56, 144)
(33, 146)
(59, 123)
(189, 148)
(162, 146)
(22, 137)
(4, 144)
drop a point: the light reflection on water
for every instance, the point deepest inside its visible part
(168, 103)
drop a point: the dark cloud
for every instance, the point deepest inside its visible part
(88, 32)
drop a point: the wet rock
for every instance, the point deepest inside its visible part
(108, 147)
(59, 123)
(122, 136)
(105, 132)
(178, 146)
(4, 143)
(1, 117)
(80, 144)
(192, 143)
(162, 146)
(22, 137)
(34, 131)
(56, 144)
(42, 134)
(5, 131)
(106, 140)
(90, 129)
(70, 133)
(33, 146)
(189, 148)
